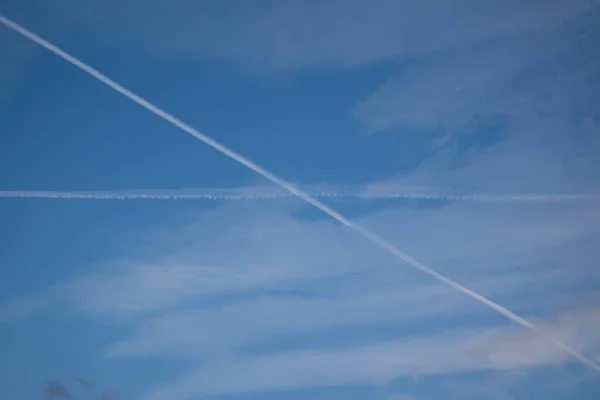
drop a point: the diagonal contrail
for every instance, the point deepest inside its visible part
(374, 238)
(267, 193)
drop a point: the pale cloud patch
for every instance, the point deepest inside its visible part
(190, 334)
(243, 250)
(319, 277)
(541, 74)
(232, 250)
(227, 255)
(245, 324)
(290, 34)
(136, 288)
(453, 352)
(527, 257)
(542, 157)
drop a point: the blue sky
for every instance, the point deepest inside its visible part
(470, 117)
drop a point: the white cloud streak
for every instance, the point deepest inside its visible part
(192, 264)
(190, 334)
(372, 237)
(451, 352)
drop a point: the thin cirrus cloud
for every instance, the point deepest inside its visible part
(501, 349)
(291, 35)
(540, 160)
(199, 300)
(275, 250)
(257, 322)
(547, 72)
(339, 284)
(318, 293)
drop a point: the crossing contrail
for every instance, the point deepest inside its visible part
(372, 237)
(266, 193)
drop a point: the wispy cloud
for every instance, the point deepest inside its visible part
(191, 334)
(275, 250)
(535, 73)
(290, 279)
(245, 324)
(289, 34)
(518, 257)
(451, 352)
(542, 157)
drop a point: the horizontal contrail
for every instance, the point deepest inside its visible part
(372, 237)
(340, 192)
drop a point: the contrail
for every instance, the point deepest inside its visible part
(374, 238)
(253, 193)
(214, 194)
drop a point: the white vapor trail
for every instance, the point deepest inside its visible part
(374, 238)
(258, 193)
